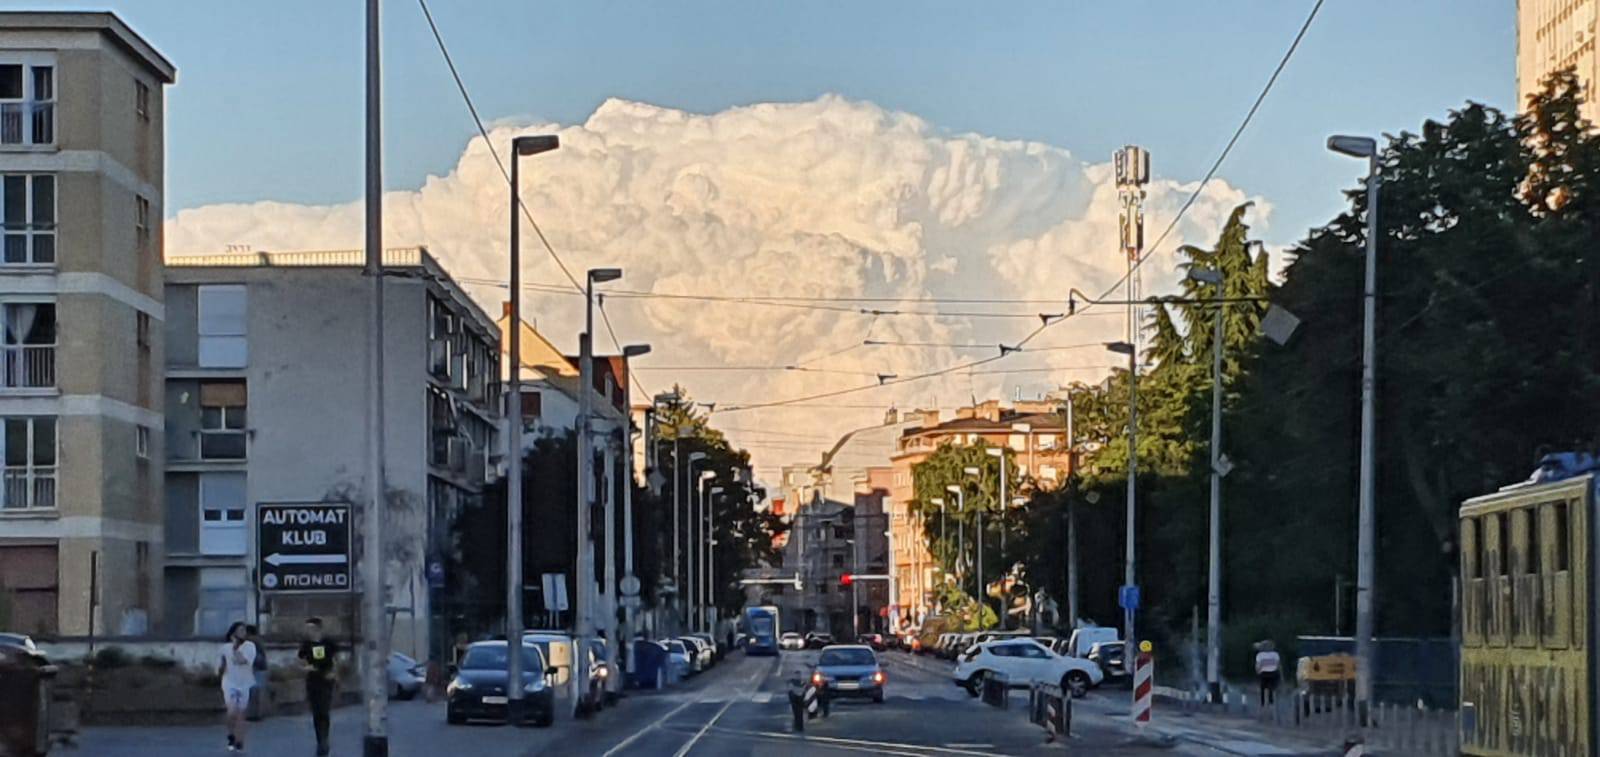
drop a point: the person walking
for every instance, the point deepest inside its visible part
(237, 671)
(316, 654)
(1268, 665)
(258, 692)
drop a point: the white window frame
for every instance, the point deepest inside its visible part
(14, 357)
(141, 99)
(228, 533)
(223, 413)
(27, 106)
(141, 442)
(222, 346)
(30, 231)
(141, 221)
(32, 473)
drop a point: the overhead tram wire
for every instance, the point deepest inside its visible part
(633, 375)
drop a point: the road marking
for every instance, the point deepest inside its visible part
(755, 681)
(864, 745)
(762, 697)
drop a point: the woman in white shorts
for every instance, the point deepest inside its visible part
(238, 676)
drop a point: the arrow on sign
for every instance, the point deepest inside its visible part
(276, 559)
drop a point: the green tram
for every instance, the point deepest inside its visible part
(1528, 613)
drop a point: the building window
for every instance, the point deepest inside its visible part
(141, 222)
(141, 100)
(141, 327)
(222, 420)
(141, 442)
(1047, 472)
(27, 101)
(222, 505)
(30, 218)
(1017, 442)
(222, 310)
(30, 463)
(223, 599)
(1046, 441)
(28, 355)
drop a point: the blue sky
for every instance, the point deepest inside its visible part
(268, 102)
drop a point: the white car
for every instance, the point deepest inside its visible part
(1024, 662)
(791, 640)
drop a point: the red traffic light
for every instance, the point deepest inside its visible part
(846, 579)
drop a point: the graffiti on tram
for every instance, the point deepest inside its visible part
(1525, 709)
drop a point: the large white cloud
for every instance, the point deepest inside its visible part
(829, 198)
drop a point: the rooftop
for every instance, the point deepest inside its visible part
(101, 21)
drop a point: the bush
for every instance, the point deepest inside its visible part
(111, 657)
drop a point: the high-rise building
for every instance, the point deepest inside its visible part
(1552, 35)
(81, 184)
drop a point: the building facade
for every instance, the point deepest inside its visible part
(81, 185)
(266, 390)
(1552, 35)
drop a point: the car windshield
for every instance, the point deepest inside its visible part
(677, 647)
(831, 657)
(494, 658)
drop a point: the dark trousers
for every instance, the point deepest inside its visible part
(319, 696)
(1269, 688)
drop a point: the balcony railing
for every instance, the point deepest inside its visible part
(16, 118)
(28, 366)
(29, 489)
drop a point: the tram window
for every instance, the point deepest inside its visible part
(1531, 559)
(1563, 538)
(1503, 564)
(1477, 547)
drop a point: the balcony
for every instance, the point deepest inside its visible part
(29, 489)
(28, 366)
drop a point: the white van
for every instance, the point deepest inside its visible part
(557, 648)
(1083, 638)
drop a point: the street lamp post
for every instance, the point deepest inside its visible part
(697, 617)
(1366, 147)
(961, 533)
(374, 654)
(1214, 559)
(1005, 508)
(1072, 517)
(687, 591)
(583, 622)
(944, 539)
(709, 594)
(1128, 573)
(629, 580)
(520, 147)
(978, 535)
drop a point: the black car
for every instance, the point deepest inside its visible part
(1108, 655)
(478, 689)
(817, 640)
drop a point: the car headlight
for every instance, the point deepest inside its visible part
(604, 672)
(533, 685)
(458, 685)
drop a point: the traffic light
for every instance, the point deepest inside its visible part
(845, 579)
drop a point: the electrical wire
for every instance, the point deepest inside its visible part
(633, 374)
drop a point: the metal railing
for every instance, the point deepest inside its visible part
(28, 489)
(1334, 719)
(28, 366)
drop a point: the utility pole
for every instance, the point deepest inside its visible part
(608, 587)
(1132, 174)
(1072, 518)
(1214, 564)
(374, 594)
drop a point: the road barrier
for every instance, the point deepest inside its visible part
(1143, 685)
(1051, 708)
(996, 690)
(1333, 719)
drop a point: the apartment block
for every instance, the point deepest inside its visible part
(1552, 35)
(81, 180)
(266, 390)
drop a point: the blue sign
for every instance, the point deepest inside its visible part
(436, 574)
(1128, 597)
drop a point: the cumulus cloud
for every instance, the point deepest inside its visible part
(829, 198)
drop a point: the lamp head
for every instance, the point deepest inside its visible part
(1121, 348)
(1355, 147)
(1210, 276)
(599, 275)
(535, 144)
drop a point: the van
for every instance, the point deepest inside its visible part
(1083, 638)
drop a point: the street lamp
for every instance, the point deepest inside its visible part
(583, 622)
(697, 615)
(520, 147)
(944, 541)
(961, 530)
(630, 583)
(709, 605)
(686, 590)
(1366, 147)
(1128, 573)
(1213, 277)
(977, 473)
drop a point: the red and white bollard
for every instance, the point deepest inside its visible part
(1143, 685)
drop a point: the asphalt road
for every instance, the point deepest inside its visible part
(737, 709)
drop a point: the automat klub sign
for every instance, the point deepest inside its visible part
(303, 547)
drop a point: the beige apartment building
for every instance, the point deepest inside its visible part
(81, 182)
(1555, 34)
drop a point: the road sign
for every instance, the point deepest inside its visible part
(1128, 598)
(555, 592)
(631, 601)
(303, 547)
(436, 574)
(630, 586)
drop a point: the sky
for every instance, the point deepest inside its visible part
(910, 149)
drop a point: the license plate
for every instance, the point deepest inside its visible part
(494, 700)
(847, 685)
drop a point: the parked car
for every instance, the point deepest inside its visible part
(477, 691)
(791, 640)
(652, 664)
(818, 640)
(1082, 639)
(1024, 662)
(874, 640)
(849, 670)
(699, 653)
(406, 676)
(1109, 656)
(711, 641)
(18, 640)
(682, 658)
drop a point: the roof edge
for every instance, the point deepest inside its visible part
(105, 21)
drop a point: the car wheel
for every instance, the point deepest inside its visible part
(453, 718)
(545, 717)
(877, 698)
(1076, 682)
(975, 683)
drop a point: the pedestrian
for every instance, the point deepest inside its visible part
(258, 692)
(316, 654)
(237, 671)
(1268, 666)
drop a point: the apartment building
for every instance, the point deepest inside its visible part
(266, 388)
(81, 180)
(1034, 431)
(1552, 35)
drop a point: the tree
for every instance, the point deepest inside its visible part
(946, 467)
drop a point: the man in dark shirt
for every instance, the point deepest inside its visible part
(317, 655)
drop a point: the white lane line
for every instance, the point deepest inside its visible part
(762, 697)
(755, 681)
(866, 745)
(623, 744)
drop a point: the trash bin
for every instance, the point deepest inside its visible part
(25, 679)
(651, 665)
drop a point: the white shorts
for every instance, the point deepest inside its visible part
(235, 698)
